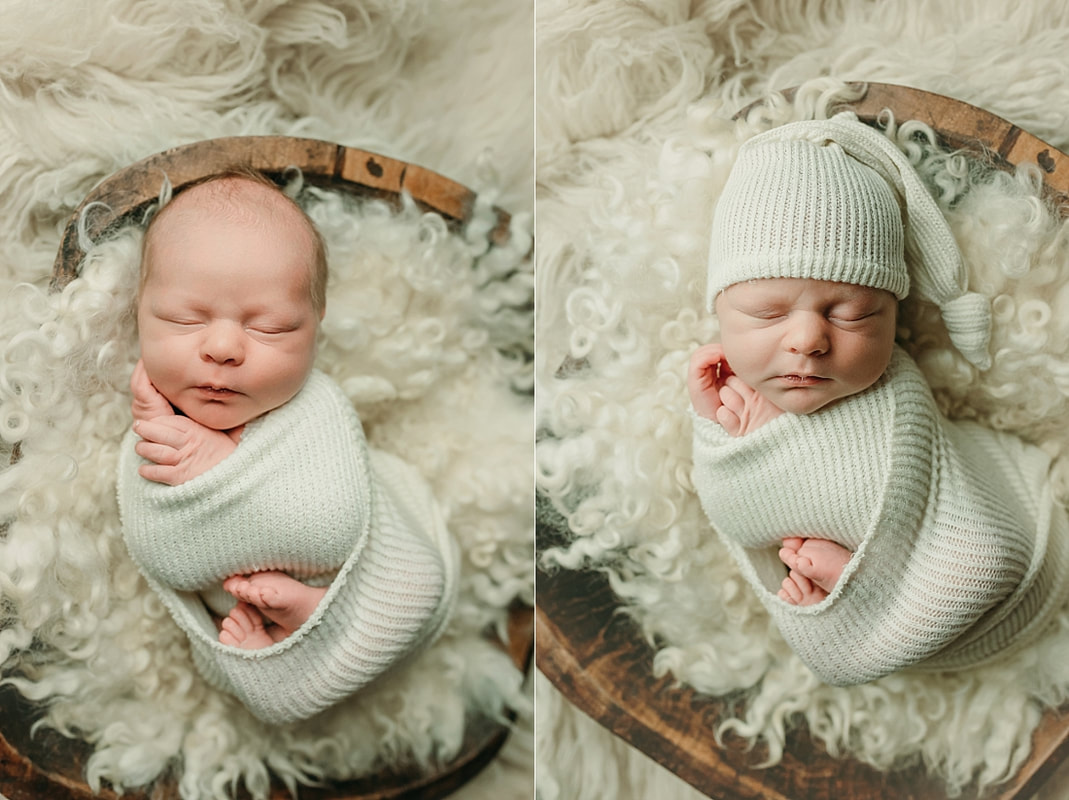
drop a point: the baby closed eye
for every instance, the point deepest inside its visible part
(183, 323)
(766, 314)
(270, 330)
(848, 318)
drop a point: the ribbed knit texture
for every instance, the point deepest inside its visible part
(960, 551)
(302, 493)
(836, 200)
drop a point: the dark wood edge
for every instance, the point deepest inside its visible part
(1050, 746)
(130, 191)
(597, 658)
(21, 778)
(962, 125)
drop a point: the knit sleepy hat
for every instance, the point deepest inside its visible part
(836, 200)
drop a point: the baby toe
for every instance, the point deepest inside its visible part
(789, 592)
(232, 633)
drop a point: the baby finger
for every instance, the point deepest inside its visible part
(160, 432)
(736, 383)
(157, 453)
(160, 474)
(733, 399)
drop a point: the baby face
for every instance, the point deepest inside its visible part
(227, 325)
(803, 344)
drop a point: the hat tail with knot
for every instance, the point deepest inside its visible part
(937, 271)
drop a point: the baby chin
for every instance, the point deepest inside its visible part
(218, 414)
(804, 398)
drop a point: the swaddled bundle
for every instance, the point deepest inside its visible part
(304, 494)
(959, 549)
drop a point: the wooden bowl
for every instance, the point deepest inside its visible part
(49, 765)
(598, 659)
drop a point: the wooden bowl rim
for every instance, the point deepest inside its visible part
(128, 192)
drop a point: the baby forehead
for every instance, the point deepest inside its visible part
(807, 291)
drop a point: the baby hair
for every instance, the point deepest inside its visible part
(229, 199)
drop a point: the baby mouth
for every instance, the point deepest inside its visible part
(217, 391)
(802, 380)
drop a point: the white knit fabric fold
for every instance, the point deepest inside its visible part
(959, 549)
(302, 493)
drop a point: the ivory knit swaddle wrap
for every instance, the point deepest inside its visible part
(302, 493)
(959, 549)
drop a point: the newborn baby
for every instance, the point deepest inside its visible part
(796, 345)
(301, 563)
(908, 540)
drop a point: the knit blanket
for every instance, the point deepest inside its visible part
(959, 550)
(302, 493)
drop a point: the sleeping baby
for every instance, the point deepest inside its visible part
(301, 563)
(878, 534)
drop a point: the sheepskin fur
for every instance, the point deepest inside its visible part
(428, 332)
(634, 144)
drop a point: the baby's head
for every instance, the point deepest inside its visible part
(808, 261)
(801, 343)
(233, 286)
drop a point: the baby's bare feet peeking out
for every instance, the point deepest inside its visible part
(815, 567)
(798, 590)
(281, 599)
(244, 628)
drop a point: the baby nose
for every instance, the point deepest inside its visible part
(223, 344)
(808, 335)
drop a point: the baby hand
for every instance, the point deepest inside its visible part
(743, 409)
(148, 403)
(705, 378)
(179, 448)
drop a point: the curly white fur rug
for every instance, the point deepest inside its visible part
(422, 331)
(632, 150)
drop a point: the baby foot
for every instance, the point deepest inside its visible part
(244, 628)
(816, 562)
(284, 600)
(798, 590)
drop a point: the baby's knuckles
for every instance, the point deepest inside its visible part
(199, 449)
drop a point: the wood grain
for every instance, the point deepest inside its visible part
(598, 659)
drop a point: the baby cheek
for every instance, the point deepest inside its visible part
(161, 365)
(872, 361)
(744, 357)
